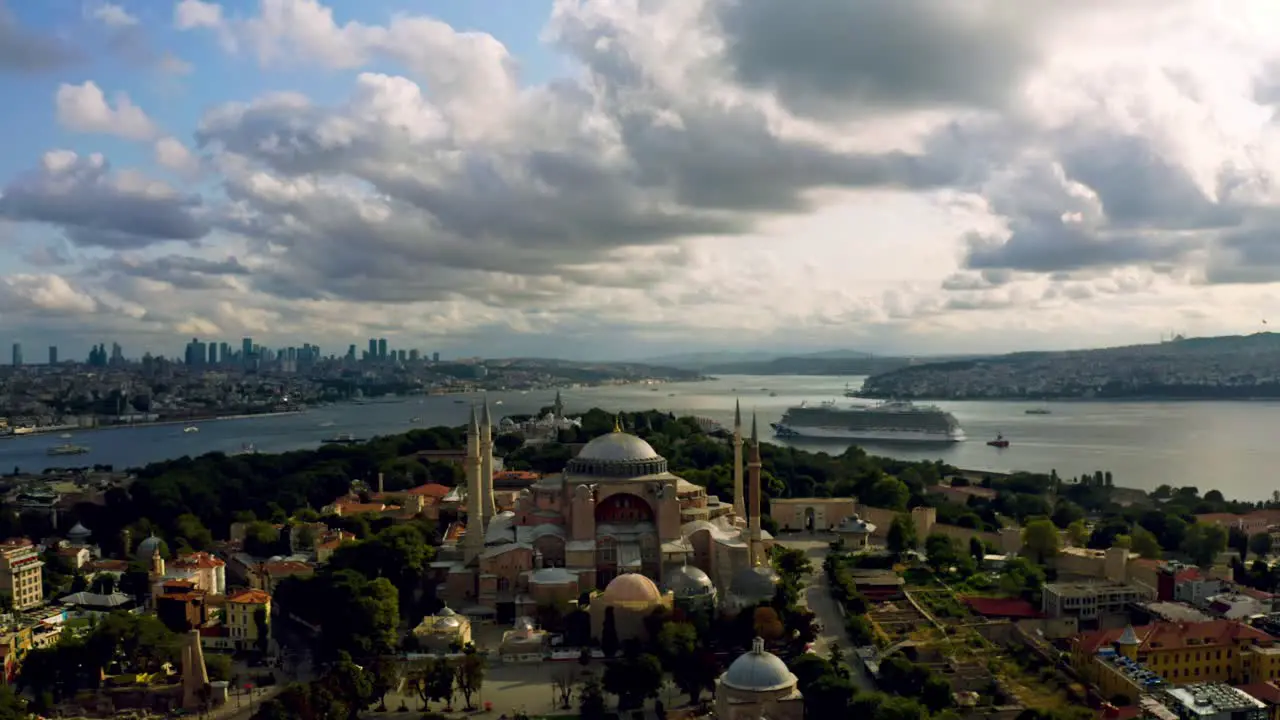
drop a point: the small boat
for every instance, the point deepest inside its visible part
(1037, 411)
(850, 392)
(247, 449)
(327, 423)
(190, 429)
(773, 394)
(415, 419)
(497, 402)
(459, 402)
(999, 442)
(68, 449)
(64, 436)
(342, 439)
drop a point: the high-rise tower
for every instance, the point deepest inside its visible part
(739, 500)
(473, 539)
(753, 470)
(486, 465)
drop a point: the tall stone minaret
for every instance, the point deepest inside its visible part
(473, 540)
(756, 552)
(557, 408)
(739, 500)
(486, 465)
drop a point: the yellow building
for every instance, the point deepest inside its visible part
(1133, 660)
(241, 617)
(444, 632)
(21, 574)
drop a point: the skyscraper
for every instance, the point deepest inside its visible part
(17, 354)
(373, 349)
(53, 354)
(382, 348)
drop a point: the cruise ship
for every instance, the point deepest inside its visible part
(894, 421)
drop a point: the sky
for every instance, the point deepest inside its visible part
(612, 179)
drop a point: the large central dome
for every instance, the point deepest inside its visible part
(618, 454)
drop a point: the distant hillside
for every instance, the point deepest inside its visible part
(811, 365)
(1232, 366)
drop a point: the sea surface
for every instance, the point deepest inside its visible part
(1231, 446)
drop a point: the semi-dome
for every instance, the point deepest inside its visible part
(78, 532)
(617, 454)
(758, 671)
(754, 583)
(552, 576)
(631, 589)
(689, 581)
(148, 547)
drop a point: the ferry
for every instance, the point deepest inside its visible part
(342, 439)
(999, 442)
(68, 449)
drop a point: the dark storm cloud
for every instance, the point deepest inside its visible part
(827, 57)
(191, 273)
(94, 208)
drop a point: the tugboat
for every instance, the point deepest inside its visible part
(999, 442)
(68, 449)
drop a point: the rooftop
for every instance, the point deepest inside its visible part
(249, 597)
(1171, 635)
(1206, 699)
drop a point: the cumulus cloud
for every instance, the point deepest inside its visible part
(95, 207)
(84, 108)
(706, 168)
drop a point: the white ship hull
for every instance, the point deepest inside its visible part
(839, 433)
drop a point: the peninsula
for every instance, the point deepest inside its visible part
(1211, 368)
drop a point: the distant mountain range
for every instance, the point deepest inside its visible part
(827, 362)
(1230, 366)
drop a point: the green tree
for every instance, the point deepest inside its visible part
(1144, 542)
(1204, 543)
(1238, 540)
(902, 534)
(940, 552)
(890, 493)
(591, 699)
(633, 680)
(1078, 533)
(977, 550)
(1041, 540)
(471, 673)
(609, 634)
(263, 625)
(1260, 544)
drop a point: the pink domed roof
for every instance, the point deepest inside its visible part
(631, 588)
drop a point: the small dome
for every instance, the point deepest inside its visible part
(147, 548)
(446, 611)
(618, 447)
(755, 584)
(688, 581)
(758, 671)
(78, 532)
(631, 588)
(450, 622)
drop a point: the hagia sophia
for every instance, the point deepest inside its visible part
(616, 518)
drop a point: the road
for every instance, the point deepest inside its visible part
(817, 597)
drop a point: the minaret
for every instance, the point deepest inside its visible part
(557, 408)
(739, 500)
(753, 471)
(486, 465)
(473, 540)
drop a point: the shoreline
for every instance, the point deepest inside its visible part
(1101, 401)
(154, 423)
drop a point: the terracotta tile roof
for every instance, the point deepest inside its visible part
(109, 565)
(198, 561)
(1001, 607)
(1167, 635)
(349, 507)
(432, 490)
(286, 567)
(213, 631)
(249, 597)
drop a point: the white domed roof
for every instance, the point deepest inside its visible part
(688, 581)
(754, 583)
(631, 588)
(618, 447)
(758, 671)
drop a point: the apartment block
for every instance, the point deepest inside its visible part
(21, 576)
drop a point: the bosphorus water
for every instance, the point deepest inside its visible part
(1230, 446)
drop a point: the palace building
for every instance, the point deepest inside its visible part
(615, 510)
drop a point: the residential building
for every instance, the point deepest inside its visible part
(1089, 601)
(1187, 583)
(21, 574)
(1127, 662)
(243, 609)
(208, 572)
(1268, 693)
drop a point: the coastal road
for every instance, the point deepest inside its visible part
(817, 597)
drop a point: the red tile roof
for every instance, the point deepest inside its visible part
(434, 490)
(1166, 635)
(249, 597)
(198, 560)
(1001, 607)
